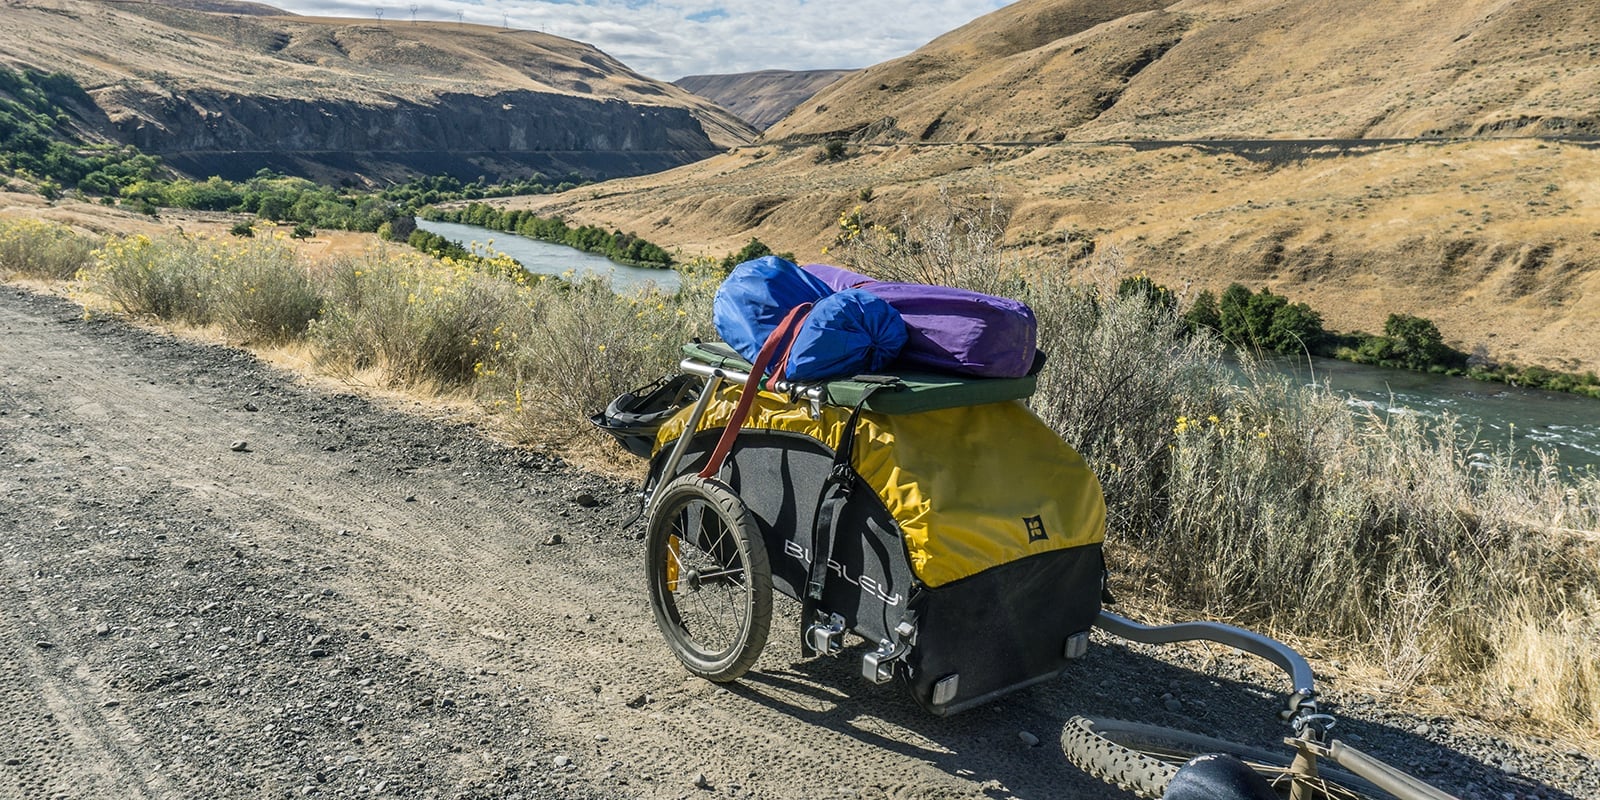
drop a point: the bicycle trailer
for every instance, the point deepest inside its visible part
(931, 515)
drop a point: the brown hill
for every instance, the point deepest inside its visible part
(764, 97)
(224, 92)
(1493, 238)
(1047, 70)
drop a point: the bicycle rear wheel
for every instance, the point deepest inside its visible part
(1143, 758)
(710, 580)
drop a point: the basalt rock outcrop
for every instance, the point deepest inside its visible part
(226, 88)
(233, 136)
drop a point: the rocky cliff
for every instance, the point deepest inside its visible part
(507, 133)
(220, 92)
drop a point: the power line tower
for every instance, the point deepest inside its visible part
(380, 13)
(413, 12)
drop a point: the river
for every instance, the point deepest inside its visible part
(1503, 415)
(544, 258)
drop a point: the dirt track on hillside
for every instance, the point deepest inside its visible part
(364, 603)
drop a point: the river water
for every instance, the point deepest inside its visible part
(544, 258)
(1502, 415)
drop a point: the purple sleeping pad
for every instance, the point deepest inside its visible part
(951, 330)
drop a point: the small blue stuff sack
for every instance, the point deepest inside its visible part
(846, 333)
(756, 296)
(952, 330)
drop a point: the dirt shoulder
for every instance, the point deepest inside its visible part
(362, 602)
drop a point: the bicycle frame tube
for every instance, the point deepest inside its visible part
(1310, 726)
(714, 377)
(670, 468)
(689, 365)
(1382, 775)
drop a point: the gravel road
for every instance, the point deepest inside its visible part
(216, 582)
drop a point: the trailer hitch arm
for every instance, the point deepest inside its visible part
(1302, 701)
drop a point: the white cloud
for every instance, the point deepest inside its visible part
(668, 39)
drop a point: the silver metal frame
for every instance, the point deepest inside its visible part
(714, 377)
(1291, 662)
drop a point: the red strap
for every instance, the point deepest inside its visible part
(758, 370)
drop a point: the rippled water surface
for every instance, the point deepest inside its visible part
(553, 259)
(1502, 414)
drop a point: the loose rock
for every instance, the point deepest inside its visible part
(239, 446)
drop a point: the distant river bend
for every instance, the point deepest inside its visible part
(544, 258)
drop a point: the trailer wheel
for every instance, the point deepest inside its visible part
(710, 580)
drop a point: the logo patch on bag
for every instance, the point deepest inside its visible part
(1035, 529)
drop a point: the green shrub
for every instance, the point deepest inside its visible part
(588, 344)
(167, 277)
(45, 250)
(752, 249)
(260, 290)
(1203, 314)
(421, 321)
(1416, 342)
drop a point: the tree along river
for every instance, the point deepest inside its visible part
(1502, 415)
(544, 258)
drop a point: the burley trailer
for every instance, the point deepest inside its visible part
(933, 516)
(936, 518)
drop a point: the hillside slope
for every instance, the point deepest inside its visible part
(764, 97)
(1046, 70)
(1445, 163)
(213, 91)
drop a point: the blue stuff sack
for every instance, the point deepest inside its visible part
(952, 330)
(756, 296)
(846, 333)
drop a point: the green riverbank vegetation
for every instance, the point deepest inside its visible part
(623, 248)
(1266, 322)
(1400, 543)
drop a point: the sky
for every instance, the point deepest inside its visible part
(668, 39)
